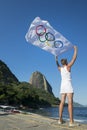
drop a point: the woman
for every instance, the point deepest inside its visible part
(66, 87)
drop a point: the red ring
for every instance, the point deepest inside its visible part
(42, 33)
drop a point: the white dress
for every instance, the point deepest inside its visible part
(66, 85)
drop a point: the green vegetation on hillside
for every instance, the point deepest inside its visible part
(26, 95)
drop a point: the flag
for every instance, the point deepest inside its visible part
(43, 35)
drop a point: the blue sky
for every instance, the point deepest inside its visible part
(66, 16)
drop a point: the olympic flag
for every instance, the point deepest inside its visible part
(43, 35)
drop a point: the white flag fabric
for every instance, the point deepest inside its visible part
(43, 35)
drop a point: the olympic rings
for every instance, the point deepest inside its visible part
(47, 36)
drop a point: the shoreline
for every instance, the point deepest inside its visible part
(33, 121)
(47, 112)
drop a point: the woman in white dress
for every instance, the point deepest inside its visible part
(66, 88)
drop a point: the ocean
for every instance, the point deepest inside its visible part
(80, 113)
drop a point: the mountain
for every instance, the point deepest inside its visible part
(75, 104)
(15, 93)
(39, 80)
(6, 76)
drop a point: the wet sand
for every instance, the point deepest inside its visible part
(33, 122)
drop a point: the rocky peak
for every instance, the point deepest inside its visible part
(6, 76)
(39, 80)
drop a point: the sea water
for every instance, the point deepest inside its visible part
(80, 113)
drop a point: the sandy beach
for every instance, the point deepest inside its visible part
(33, 122)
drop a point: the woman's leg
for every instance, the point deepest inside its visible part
(61, 106)
(70, 106)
